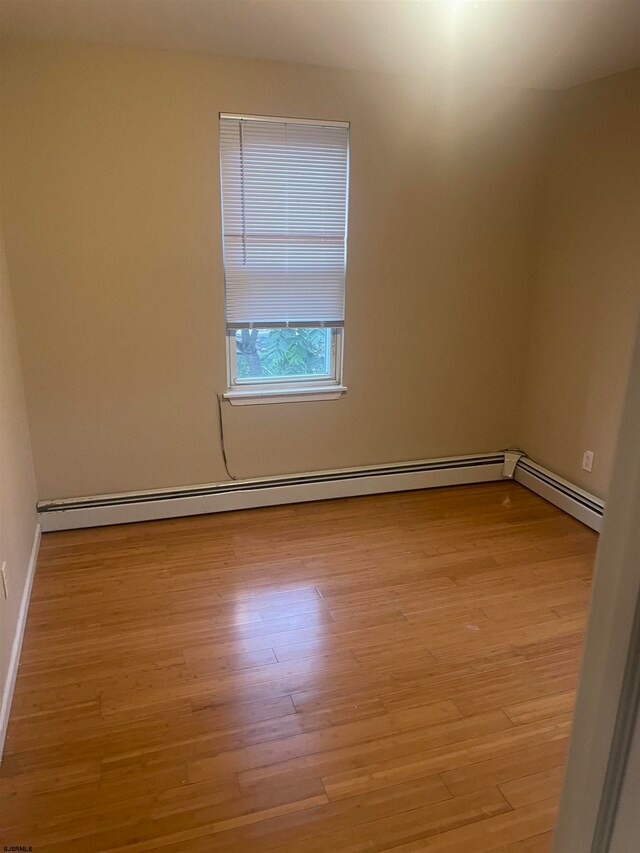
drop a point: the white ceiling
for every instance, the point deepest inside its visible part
(537, 43)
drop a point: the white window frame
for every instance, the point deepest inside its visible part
(270, 389)
(287, 388)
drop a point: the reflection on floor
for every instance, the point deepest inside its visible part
(383, 673)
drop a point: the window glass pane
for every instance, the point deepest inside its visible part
(281, 353)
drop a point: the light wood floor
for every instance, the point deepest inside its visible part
(383, 673)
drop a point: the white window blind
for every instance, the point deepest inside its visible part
(284, 215)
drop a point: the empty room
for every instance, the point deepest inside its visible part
(319, 426)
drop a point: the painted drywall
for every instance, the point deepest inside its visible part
(110, 162)
(17, 484)
(586, 297)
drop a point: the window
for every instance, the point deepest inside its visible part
(284, 221)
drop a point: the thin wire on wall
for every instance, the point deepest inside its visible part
(222, 444)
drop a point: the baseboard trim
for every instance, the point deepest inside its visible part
(573, 500)
(14, 660)
(71, 514)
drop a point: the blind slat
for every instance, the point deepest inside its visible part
(284, 210)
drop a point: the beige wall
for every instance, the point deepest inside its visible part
(17, 483)
(587, 292)
(113, 237)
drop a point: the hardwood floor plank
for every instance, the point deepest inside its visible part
(381, 833)
(531, 789)
(500, 771)
(504, 829)
(439, 758)
(539, 844)
(541, 708)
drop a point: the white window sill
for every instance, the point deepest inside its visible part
(284, 395)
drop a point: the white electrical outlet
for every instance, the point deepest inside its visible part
(587, 460)
(5, 584)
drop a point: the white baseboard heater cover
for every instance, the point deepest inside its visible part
(75, 513)
(573, 500)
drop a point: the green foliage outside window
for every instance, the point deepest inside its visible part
(282, 352)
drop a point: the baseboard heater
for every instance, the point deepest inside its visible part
(573, 500)
(76, 513)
